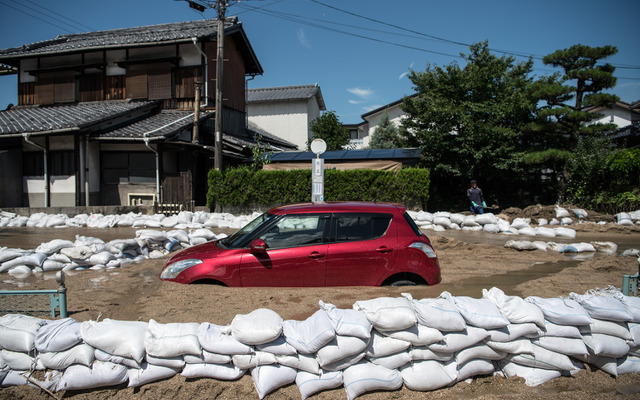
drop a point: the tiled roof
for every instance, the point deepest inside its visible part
(36, 119)
(270, 138)
(283, 93)
(163, 124)
(118, 37)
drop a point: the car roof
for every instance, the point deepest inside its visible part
(338, 206)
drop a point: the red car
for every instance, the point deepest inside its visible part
(315, 244)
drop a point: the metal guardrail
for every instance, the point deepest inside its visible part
(36, 302)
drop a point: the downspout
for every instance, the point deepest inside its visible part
(146, 143)
(86, 172)
(47, 189)
(246, 99)
(206, 71)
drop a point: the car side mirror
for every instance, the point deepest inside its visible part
(258, 246)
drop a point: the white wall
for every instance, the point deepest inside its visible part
(616, 116)
(288, 120)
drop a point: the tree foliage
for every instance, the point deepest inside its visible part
(385, 135)
(328, 128)
(467, 120)
(569, 99)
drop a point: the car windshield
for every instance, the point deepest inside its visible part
(237, 238)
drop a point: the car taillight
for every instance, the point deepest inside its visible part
(426, 249)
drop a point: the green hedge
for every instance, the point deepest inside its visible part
(242, 187)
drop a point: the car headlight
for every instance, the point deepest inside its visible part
(173, 270)
(426, 249)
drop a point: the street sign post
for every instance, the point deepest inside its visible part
(318, 146)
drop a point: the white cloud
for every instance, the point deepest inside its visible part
(361, 92)
(404, 74)
(302, 38)
(355, 101)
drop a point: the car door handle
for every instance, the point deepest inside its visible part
(315, 254)
(384, 249)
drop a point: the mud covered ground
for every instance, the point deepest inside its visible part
(470, 261)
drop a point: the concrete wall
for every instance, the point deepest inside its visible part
(288, 120)
(616, 116)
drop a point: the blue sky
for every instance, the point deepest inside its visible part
(359, 57)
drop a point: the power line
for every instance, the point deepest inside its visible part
(78, 24)
(36, 17)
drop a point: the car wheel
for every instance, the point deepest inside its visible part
(403, 282)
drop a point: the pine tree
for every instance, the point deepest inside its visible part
(385, 135)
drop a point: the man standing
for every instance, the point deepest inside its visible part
(474, 193)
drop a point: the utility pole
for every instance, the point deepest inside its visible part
(221, 5)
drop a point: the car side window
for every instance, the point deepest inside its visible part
(355, 227)
(296, 230)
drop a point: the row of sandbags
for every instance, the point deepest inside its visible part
(93, 253)
(380, 344)
(183, 220)
(569, 248)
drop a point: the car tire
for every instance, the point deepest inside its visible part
(403, 282)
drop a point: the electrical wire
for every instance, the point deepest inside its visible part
(37, 17)
(78, 24)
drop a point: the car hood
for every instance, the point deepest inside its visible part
(201, 251)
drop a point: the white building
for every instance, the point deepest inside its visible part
(360, 138)
(286, 111)
(622, 114)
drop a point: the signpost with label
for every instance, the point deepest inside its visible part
(318, 146)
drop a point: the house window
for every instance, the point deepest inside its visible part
(61, 162)
(146, 81)
(128, 167)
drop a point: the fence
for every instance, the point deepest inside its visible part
(36, 302)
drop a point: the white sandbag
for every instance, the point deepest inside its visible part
(54, 246)
(339, 348)
(61, 360)
(347, 322)
(21, 271)
(51, 265)
(567, 346)
(33, 259)
(605, 247)
(197, 240)
(423, 353)
(551, 329)
(532, 376)
(148, 373)
(10, 254)
(151, 234)
(561, 212)
(101, 258)
(87, 240)
(173, 362)
(206, 358)
(481, 313)
(380, 345)
(18, 332)
(439, 313)
(631, 303)
(626, 253)
(504, 226)
(78, 252)
(344, 363)
(169, 222)
(224, 372)
(457, 218)
(388, 313)
(258, 327)
(366, 377)
(527, 231)
(301, 362)
(267, 378)
(622, 216)
(606, 364)
(521, 223)
(423, 216)
(456, 341)
(417, 335)
(514, 308)
(106, 357)
(513, 332)
(218, 339)
(470, 221)
(439, 375)
(279, 347)
(202, 233)
(100, 374)
(606, 345)
(566, 221)
(179, 234)
(565, 232)
(517, 346)
(19, 361)
(478, 351)
(520, 245)
(618, 329)
(625, 222)
(543, 222)
(58, 335)
(393, 361)
(546, 232)
(171, 340)
(628, 365)
(309, 384)
(542, 358)
(491, 228)
(310, 335)
(603, 307)
(486, 218)
(561, 311)
(477, 367)
(119, 338)
(442, 221)
(247, 361)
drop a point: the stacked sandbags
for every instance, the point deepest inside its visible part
(380, 344)
(582, 247)
(94, 253)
